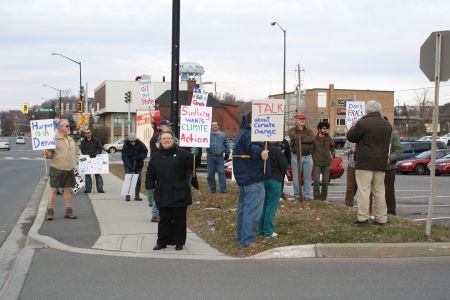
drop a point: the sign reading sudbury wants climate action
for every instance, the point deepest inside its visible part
(267, 120)
(355, 110)
(42, 134)
(195, 125)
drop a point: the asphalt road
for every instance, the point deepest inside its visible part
(20, 171)
(59, 275)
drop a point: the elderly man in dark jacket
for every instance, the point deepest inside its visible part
(133, 154)
(372, 135)
(91, 146)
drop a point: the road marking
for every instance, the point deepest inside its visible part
(423, 205)
(24, 157)
(439, 218)
(7, 157)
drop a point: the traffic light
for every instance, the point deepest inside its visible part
(81, 92)
(80, 106)
(128, 97)
(25, 109)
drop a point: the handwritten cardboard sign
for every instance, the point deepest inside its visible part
(199, 97)
(355, 110)
(195, 126)
(147, 95)
(267, 120)
(42, 134)
(79, 182)
(96, 165)
(144, 130)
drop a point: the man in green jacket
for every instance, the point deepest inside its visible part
(322, 153)
(395, 150)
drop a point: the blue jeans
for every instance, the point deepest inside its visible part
(266, 225)
(306, 168)
(216, 164)
(250, 206)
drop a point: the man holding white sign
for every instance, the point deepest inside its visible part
(91, 146)
(63, 162)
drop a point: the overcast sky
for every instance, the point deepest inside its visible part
(353, 44)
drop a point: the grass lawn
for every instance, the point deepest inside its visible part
(213, 217)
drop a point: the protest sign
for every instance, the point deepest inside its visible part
(129, 184)
(199, 97)
(195, 126)
(146, 93)
(267, 120)
(355, 110)
(144, 130)
(96, 165)
(42, 134)
(79, 182)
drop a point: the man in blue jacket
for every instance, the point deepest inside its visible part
(217, 148)
(248, 168)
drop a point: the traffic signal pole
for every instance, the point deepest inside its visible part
(175, 65)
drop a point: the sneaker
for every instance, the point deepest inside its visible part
(155, 219)
(50, 214)
(179, 247)
(375, 222)
(101, 192)
(361, 223)
(138, 199)
(69, 213)
(86, 191)
(272, 235)
(127, 198)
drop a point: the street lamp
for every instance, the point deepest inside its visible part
(79, 63)
(284, 58)
(59, 97)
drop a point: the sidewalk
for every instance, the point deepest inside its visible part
(126, 230)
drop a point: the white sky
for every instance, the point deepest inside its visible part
(353, 44)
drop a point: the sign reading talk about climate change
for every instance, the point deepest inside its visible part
(195, 126)
(42, 134)
(267, 120)
(199, 97)
(355, 110)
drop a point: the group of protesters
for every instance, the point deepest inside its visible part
(259, 170)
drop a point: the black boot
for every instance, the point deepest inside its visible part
(137, 191)
(127, 198)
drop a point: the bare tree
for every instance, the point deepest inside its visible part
(424, 104)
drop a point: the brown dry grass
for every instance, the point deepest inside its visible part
(213, 217)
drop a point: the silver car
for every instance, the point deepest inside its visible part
(4, 144)
(115, 146)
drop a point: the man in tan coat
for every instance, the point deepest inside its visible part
(63, 162)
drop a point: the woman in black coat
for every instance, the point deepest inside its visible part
(168, 180)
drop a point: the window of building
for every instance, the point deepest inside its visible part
(321, 99)
(323, 120)
(340, 122)
(117, 120)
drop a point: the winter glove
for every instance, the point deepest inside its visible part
(227, 156)
(194, 150)
(150, 196)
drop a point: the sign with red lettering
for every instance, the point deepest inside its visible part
(144, 130)
(195, 126)
(147, 95)
(267, 120)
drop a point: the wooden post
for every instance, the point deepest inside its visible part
(299, 169)
(193, 167)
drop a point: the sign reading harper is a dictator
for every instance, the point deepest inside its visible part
(199, 97)
(267, 120)
(195, 126)
(147, 95)
(355, 110)
(42, 134)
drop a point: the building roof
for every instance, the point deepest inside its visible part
(165, 99)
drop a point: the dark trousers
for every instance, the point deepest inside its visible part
(351, 187)
(389, 182)
(98, 182)
(321, 194)
(172, 226)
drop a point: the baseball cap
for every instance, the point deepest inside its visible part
(300, 116)
(165, 122)
(132, 137)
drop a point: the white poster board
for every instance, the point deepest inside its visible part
(267, 120)
(129, 184)
(199, 97)
(144, 130)
(42, 134)
(354, 110)
(97, 165)
(79, 182)
(195, 126)
(146, 93)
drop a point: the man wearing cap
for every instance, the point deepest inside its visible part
(133, 154)
(215, 160)
(307, 139)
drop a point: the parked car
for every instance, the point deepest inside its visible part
(428, 138)
(115, 146)
(419, 164)
(336, 169)
(411, 149)
(407, 139)
(4, 144)
(442, 165)
(445, 138)
(20, 140)
(339, 141)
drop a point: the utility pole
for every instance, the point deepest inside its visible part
(175, 65)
